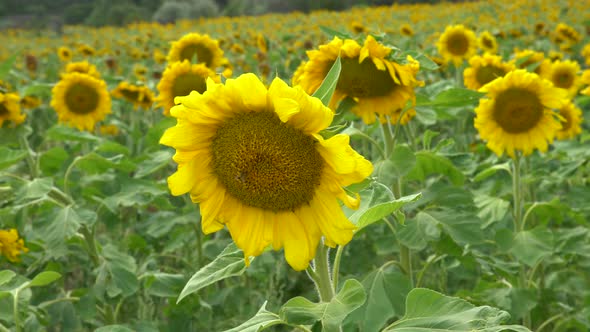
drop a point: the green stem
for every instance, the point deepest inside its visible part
(336, 267)
(548, 321)
(406, 261)
(322, 270)
(67, 175)
(63, 299)
(33, 167)
(3, 328)
(91, 244)
(387, 139)
(17, 324)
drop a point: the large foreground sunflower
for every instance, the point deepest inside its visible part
(254, 160)
(484, 69)
(179, 79)
(196, 48)
(10, 109)
(81, 100)
(378, 86)
(456, 44)
(517, 113)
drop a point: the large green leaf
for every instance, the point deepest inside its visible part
(417, 232)
(44, 278)
(6, 276)
(428, 163)
(403, 160)
(153, 163)
(10, 157)
(491, 209)
(380, 211)
(464, 226)
(64, 225)
(533, 245)
(63, 133)
(386, 288)
(427, 310)
(262, 320)
(326, 90)
(93, 163)
(229, 263)
(454, 97)
(300, 310)
(164, 284)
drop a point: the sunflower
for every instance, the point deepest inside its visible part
(261, 43)
(64, 54)
(570, 124)
(179, 79)
(567, 33)
(109, 130)
(254, 160)
(30, 102)
(159, 57)
(140, 70)
(487, 42)
(10, 109)
(11, 246)
(358, 27)
(86, 50)
(81, 100)
(138, 95)
(555, 55)
(377, 85)
(517, 113)
(205, 49)
(82, 67)
(406, 30)
(586, 54)
(484, 69)
(456, 44)
(564, 75)
(532, 61)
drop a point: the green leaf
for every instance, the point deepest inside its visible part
(380, 211)
(155, 162)
(403, 160)
(164, 284)
(300, 310)
(491, 209)
(326, 90)
(114, 328)
(464, 226)
(334, 33)
(428, 163)
(229, 263)
(39, 90)
(454, 97)
(386, 288)
(94, 163)
(6, 276)
(417, 232)
(531, 246)
(52, 160)
(37, 188)
(6, 66)
(64, 225)
(262, 320)
(62, 133)
(10, 157)
(486, 173)
(427, 310)
(44, 278)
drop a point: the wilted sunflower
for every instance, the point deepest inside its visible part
(64, 54)
(82, 67)
(377, 85)
(10, 109)
(532, 61)
(198, 49)
(138, 95)
(570, 123)
(456, 44)
(81, 100)
(11, 246)
(564, 75)
(484, 69)
(487, 42)
(256, 163)
(179, 79)
(516, 114)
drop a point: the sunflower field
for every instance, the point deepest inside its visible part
(405, 168)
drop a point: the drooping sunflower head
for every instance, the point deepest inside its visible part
(484, 69)
(196, 48)
(138, 95)
(254, 160)
(10, 109)
(457, 43)
(379, 86)
(567, 33)
(571, 118)
(64, 54)
(517, 113)
(81, 100)
(86, 50)
(179, 79)
(487, 42)
(565, 75)
(82, 67)
(11, 245)
(261, 43)
(533, 61)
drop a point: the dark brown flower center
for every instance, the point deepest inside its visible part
(364, 80)
(266, 163)
(488, 73)
(81, 99)
(563, 79)
(202, 53)
(458, 44)
(185, 83)
(517, 110)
